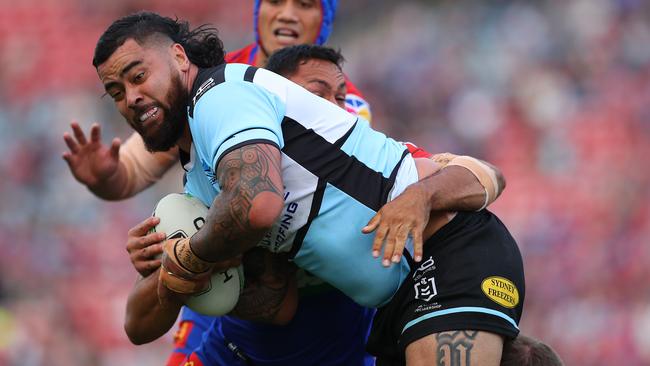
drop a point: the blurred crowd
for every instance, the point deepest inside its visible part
(555, 93)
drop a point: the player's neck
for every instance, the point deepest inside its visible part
(190, 77)
(185, 142)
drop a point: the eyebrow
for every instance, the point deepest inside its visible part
(125, 70)
(321, 82)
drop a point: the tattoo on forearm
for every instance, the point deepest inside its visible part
(260, 302)
(268, 279)
(243, 174)
(455, 347)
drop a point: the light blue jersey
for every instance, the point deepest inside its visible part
(337, 172)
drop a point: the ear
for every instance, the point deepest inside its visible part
(180, 57)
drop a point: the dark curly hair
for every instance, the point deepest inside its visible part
(202, 44)
(286, 60)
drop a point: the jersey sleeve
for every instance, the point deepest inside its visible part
(417, 152)
(234, 114)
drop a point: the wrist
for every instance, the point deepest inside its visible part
(181, 270)
(188, 259)
(483, 173)
(112, 187)
(423, 192)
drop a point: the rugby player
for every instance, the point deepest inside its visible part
(120, 172)
(333, 178)
(342, 325)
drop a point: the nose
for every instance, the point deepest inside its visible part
(133, 97)
(288, 12)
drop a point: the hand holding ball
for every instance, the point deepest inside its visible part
(182, 215)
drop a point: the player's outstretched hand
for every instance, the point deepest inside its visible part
(406, 215)
(91, 162)
(144, 247)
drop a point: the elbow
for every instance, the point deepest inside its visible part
(134, 332)
(137, 341)
(265, 211)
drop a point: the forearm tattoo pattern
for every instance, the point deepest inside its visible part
(268, 279)
(243, 174)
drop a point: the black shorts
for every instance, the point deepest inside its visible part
(471, 278)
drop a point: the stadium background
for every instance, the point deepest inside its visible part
(556, 93)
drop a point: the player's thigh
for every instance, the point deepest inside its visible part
(456, 348)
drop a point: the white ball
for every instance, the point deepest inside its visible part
(182, 215)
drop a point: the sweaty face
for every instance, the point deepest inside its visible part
(322, 78)
(283, 23)
(147, 91)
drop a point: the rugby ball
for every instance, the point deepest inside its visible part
(182, 215)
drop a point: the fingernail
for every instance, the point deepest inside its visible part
(418, 258)
(375, 253)
(395, 258)
(385, 263)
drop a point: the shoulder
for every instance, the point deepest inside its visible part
(243, 55)
(225, 81)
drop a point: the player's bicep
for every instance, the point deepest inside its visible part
(253, 167)
(250, 178)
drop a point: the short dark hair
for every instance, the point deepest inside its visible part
(528, 351)
(286, 60)
(202, 44)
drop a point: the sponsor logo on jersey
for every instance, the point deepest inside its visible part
(282, 228)
(425, 283)
(209, 173)
(207, 85)
(425, 289)
(501, 290)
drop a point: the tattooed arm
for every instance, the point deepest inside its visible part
(250, 202)
(456, 348)
(271, 292)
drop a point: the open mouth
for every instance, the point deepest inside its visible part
(286, 34)
(149, 114)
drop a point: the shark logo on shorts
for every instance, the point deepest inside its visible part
(425, 289)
